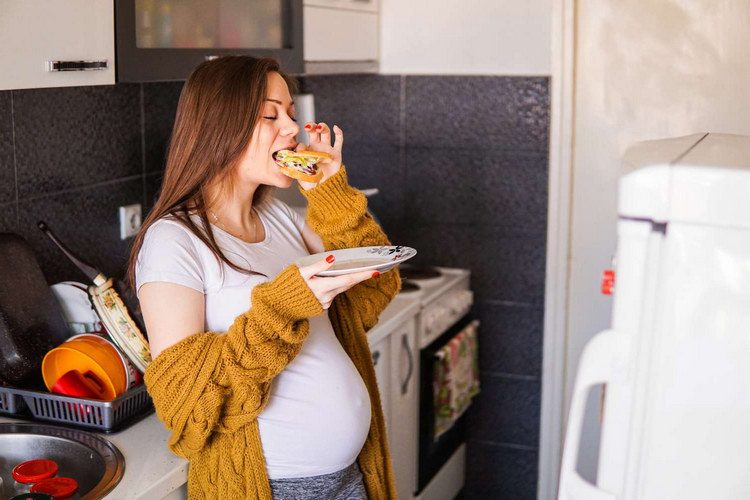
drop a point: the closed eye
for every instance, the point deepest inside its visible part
(275, 117)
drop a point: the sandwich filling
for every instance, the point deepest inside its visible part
(290, 159)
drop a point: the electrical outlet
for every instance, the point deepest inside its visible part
(130, 220)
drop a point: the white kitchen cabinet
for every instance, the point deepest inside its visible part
(341, 36)
(404, 407)
(363, 5)
(381, 358)
(78, 33)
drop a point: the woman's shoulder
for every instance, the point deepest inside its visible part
(169, 231)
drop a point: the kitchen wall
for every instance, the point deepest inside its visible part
(461, 162)
(643, 70)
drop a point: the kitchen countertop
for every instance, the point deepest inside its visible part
(152, 471)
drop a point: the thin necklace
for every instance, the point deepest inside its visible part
(255, 225)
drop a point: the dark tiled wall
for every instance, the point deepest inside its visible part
(461, 163)
(71, 157)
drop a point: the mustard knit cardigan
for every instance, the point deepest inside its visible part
(209, 388)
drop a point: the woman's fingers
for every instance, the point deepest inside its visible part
(312, 132)
(308, 272)
(339, 134)
(324, 133)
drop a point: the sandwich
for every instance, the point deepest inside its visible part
(301, 165)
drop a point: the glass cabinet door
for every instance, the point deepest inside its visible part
(208, 24)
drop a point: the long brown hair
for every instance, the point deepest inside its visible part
(218, 110)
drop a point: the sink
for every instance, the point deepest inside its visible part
(94, 462)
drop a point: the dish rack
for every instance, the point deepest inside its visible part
(105, 416)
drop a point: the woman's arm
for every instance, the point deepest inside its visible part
(209, 382)
(172, 312)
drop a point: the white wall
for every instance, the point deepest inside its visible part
(643, 70)
(468, 37)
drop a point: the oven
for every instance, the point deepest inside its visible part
(446, 300)
(435, 453)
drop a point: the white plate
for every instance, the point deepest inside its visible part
(352, 260)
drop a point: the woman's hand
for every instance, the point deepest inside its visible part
(320, 140)
(326, 289)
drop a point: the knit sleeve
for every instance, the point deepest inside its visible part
(338, 214)
(213, 382)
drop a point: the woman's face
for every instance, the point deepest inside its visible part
(276, 130)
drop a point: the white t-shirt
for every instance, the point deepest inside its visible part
(318, 414)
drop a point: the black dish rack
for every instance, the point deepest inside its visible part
(88, 414)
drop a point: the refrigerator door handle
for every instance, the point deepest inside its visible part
(604, 359)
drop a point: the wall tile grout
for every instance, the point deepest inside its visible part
(15, 157)
(514, 376)
(511, 303)
(81, 188)
(143, 144)
(502, 444)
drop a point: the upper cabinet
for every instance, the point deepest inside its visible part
(49, 43)
(165, 39)
(341, 36)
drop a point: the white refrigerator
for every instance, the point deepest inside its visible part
(676, 361)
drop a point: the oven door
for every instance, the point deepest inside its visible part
(433, 454)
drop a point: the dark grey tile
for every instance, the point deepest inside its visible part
(153, 184)
(506, 410)
(472, 186)
(490, 112)
(159, 108)
(496, 472)
(87, 221)
(76, 136)
(7, 164)
(366, 107)
(507, 263)
(378, 167)
(511, 338)
(8, 218)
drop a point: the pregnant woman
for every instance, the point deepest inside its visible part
(261, 371)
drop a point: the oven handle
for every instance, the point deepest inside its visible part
(405, 344)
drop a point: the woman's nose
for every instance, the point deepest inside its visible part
(290, 128)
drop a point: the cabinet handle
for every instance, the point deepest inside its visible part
(405, 345)
(375, 358)
(77, 65)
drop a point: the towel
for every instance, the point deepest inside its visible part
(455, 378)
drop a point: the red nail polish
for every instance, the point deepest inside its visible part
(308, 127)
(330, 259)
(375, 273)
(320, 127)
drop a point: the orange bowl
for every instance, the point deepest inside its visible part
(63, 358)
(119, 377)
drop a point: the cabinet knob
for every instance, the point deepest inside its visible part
(375, 357)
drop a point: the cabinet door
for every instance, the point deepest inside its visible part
(34, 32)
(381, 358)
(404, 408)
(340, 35)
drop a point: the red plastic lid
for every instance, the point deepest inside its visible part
(58, 487)
(34, 471)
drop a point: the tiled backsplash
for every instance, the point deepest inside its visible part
(461, 164)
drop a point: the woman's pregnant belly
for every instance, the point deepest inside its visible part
(318, 414)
